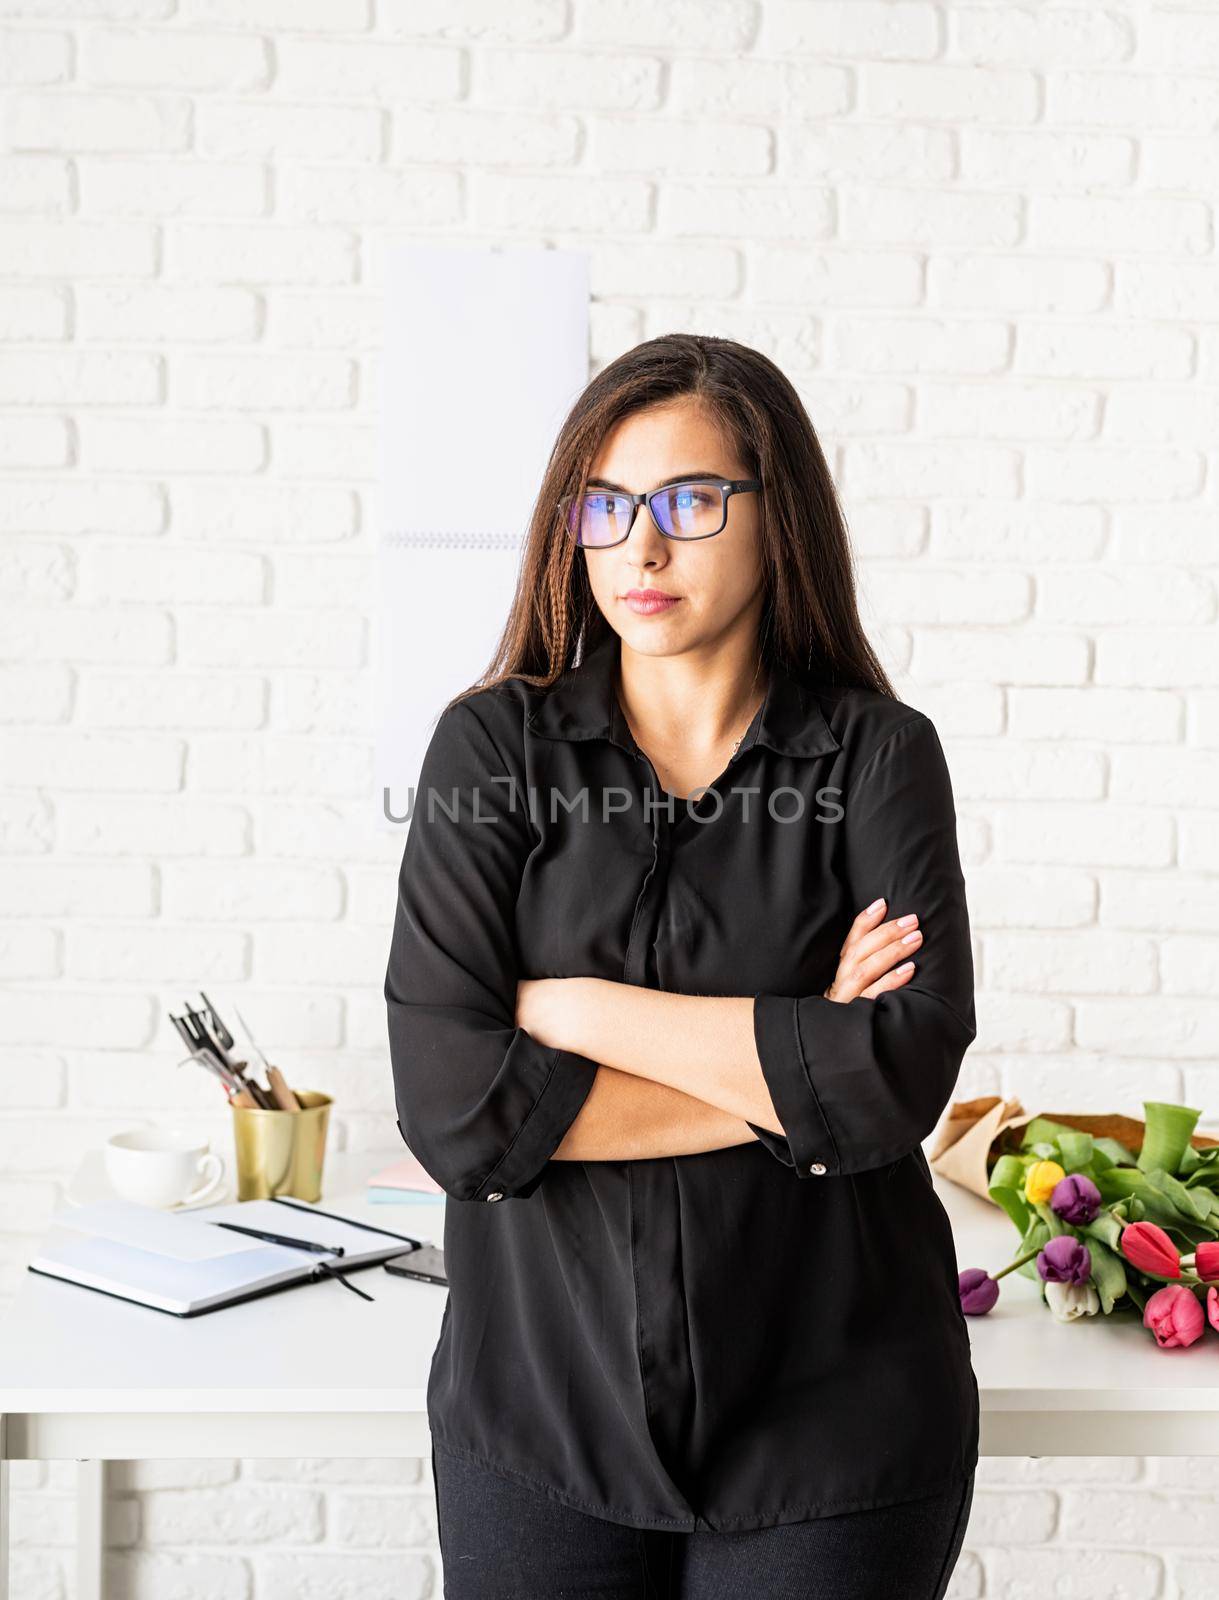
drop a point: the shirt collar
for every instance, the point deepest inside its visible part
(582, 704)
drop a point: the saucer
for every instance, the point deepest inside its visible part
(91, 1183)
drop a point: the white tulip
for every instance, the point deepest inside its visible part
(1070, 1300)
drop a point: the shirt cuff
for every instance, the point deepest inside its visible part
(807, 1144)
(522, 1166)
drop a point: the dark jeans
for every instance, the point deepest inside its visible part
(500, 1540)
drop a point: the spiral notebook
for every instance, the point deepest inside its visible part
(179, 1262)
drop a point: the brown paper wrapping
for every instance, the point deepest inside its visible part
(973, 1134)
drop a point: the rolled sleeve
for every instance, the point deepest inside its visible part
(480, 1101)
(858, 1084)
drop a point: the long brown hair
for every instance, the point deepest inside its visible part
(810, 619)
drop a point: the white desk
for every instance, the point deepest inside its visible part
(91, 1378)
(314, 1371)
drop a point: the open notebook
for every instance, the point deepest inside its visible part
(179, 1262)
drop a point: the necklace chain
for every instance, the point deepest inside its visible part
(736, 743)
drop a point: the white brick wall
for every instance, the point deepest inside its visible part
(980, 237)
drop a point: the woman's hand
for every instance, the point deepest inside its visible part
(871, 952)
(542, 1009)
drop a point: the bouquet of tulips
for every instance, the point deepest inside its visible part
(1104, 1229)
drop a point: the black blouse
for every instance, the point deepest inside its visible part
(740, 1337)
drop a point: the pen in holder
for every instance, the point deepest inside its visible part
(281, 1152)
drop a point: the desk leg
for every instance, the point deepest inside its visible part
(3, 1512)
(90, 1529)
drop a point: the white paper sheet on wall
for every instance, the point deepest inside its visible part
(485, 350)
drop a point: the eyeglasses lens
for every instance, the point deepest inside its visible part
(683, 511)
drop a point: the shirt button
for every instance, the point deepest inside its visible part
(817, 1168)
(499, 1196)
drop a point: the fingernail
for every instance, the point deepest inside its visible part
(904, 922)
(876, 904)
(906, 966)
(911, 937)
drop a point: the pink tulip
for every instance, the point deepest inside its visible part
(1206, 1260)
(1151, 1250)
(1175, 1316)
(1212, 1308)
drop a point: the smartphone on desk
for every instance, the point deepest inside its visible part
(426, 1263)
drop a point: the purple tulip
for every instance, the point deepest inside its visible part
(1076, 1199)
(978, 1291)
(1065, 1259)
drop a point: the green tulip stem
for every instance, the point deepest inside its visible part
(1018, 1262)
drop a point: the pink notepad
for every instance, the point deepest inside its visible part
(405, 1173)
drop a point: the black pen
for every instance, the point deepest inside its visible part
(316, 1211)
(282, 1238)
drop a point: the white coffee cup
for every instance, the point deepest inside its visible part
(162, 1167)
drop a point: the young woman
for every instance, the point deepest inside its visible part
(680, 979)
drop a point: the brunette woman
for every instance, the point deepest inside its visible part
(680, 979)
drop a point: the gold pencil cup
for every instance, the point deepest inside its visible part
(281, 1152)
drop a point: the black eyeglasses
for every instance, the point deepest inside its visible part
(697, 509)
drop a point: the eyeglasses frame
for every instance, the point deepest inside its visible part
(727, 487)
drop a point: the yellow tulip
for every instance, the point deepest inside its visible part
(1040, 1181)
